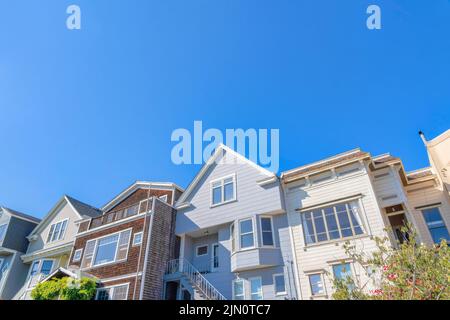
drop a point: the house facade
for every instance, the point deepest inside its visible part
(234, 235)
(127, 248)
(52, 240)
(14, 228)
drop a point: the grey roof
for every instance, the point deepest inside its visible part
(23, 215)
(84, 209)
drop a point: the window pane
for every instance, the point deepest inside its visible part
(103, 294)
(344, 222)
(332, 225)
(256, 289)
(202, 250)
(2, 231)
(342, 271)
(308, 228)
(440, 233)
(279, 284)
(246, 226)
(247, 240)
(266, 224)
(120, 293)
(46, 267)
(63, 230)
(34, 268)
(354, 214)
(238, 288)
(315, 281)
(106, 250)
(267, 238)
(436, 225)
(217, 195)
(56, 233)
(50, 234)
(229, 191)
(320, 226)
(266, 229)
(233, 238)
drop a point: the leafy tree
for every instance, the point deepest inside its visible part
(65, 289)
(411, 272)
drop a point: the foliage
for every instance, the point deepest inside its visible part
(65, 289)
(413, 271)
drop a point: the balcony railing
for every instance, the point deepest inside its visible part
(124, 213)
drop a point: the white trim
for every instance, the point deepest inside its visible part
(282, 293)
(12, 214)
(322, 280)
(253, 231)
(80, 251)
(115, 223)
(199, 246)
(243, 288)
(47, 241)
(113, 288)
(222, 188)
(164, 198)
(127, 276)
(134, 244)
(261, 231)
(250, 287)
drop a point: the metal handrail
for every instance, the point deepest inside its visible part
(195, 277)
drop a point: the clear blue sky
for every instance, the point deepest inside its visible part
(88, 112)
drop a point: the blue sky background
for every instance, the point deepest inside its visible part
(87, 112)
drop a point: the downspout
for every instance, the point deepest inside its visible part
(147, 248)
(142, 247)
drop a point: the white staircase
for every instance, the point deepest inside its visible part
(203, 289)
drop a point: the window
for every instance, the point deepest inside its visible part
(137, 239)
(436, 225)
(246, 234)
(330, 223)
(41, 267)
(57, 231)
(3, 268)
(256, 289)
(108, 249)
(279, 284)
(163, 198)
(266, 231)
(46, 267)
(3, 231)
(233, 238)
(77, 255)
(238, 290)
(223, 190)
(316, 283)
(201, 250)
(343, 272)
(34, 268)
(119, 292)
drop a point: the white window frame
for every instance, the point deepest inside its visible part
(134, 239)
(272, 231)
(39, 268)
(113, 287)
(281, 293)
(164, 198)
(221, 180)
(253, 231)
(243, 289)
(425, 221)
(2, 237)
(233, 243)
(351, 267)
(60, 236)
(93, 265)
(199, 246)
(322, 280)
(250, 287)
(80, 252)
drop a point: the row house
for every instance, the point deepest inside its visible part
(52, 240)
(127, 247)
(14, 228)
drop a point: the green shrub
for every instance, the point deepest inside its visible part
(65, 289)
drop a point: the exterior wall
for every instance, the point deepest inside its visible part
(252, 199)
(4, 219)
(18, 230)
(319, 257)
(142, 194)
(14, 278)
(65, 212)
(439, 155)
(427, 194)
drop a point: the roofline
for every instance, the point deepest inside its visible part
(209, 162)
(438, 139)
(419, 170)
(337, 156)
(138, 183)
(26, 217)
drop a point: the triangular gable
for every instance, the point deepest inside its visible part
(220, 151)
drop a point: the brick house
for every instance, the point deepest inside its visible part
(132, 240)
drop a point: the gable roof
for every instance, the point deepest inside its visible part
(135, 186)
(82, 210)
(221, 148)
(21, 215)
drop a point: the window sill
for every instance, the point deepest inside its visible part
(222, 203)
(318, 296)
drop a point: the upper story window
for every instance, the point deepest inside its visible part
(41, 267)
(223, 190)
(279, 284)
(108, 249)
(57, 231)
(246, 234)
(77, 255)
(3, 231)
(238, 290)
(435, 225)
(266, 231)
(330, 223)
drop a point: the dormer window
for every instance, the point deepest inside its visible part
(223, 190)
(57, 231)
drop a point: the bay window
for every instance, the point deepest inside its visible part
(246, 233)
(266, 231)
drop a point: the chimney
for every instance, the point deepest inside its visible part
(422, 136)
